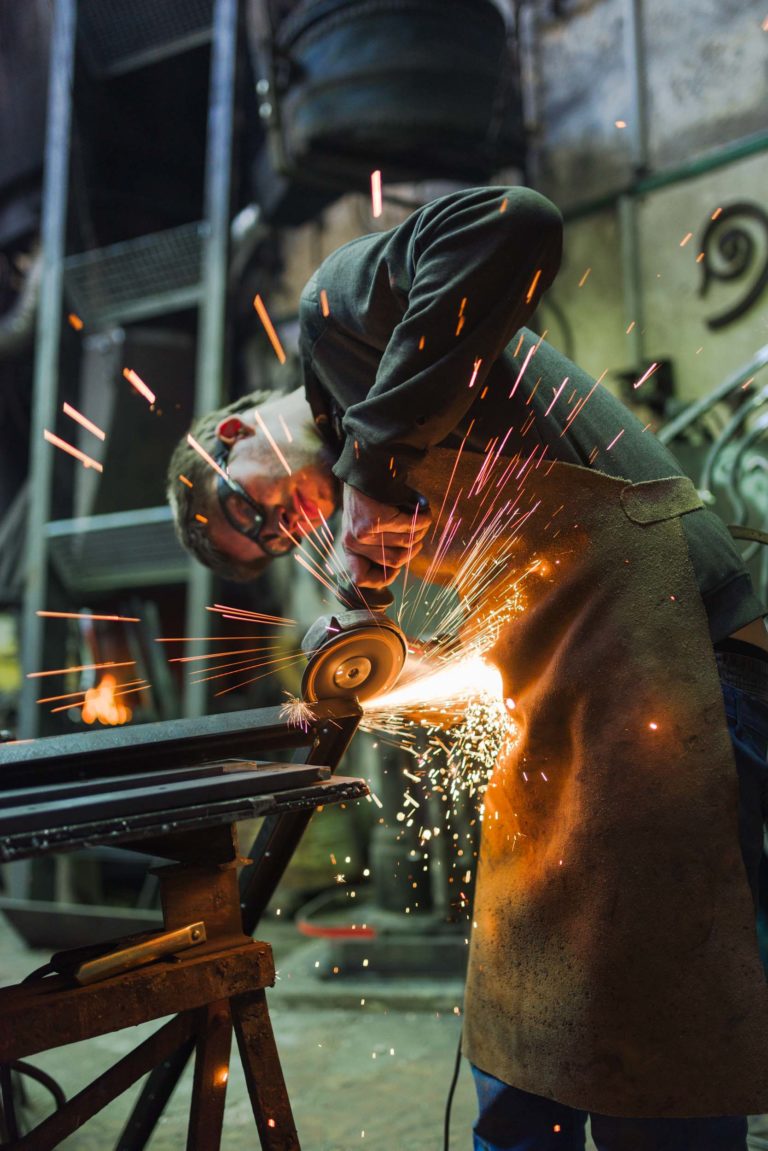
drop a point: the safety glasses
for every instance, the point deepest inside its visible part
(246, 516)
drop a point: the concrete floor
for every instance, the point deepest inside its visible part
(367, 1062)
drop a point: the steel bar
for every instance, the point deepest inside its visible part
(184, 743)
(51, 1013)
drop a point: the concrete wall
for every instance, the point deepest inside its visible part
(696, 104)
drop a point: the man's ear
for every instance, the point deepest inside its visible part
(232, 428)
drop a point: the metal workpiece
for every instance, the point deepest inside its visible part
(156, 786)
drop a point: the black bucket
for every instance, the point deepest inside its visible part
(418, 88)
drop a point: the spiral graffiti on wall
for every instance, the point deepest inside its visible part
(734, 247)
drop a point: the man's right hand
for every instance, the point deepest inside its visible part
(378, 539)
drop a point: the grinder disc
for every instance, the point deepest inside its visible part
(362, 661)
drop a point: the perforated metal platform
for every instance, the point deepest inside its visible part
(119, 35)
(122, 549)
(149, 276)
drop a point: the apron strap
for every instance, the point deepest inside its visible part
(653, 501)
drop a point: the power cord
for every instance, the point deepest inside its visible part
(449, 1100)
(8, 1103)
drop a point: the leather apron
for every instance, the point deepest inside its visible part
(613, 962)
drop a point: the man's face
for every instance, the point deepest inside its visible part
(295, 503)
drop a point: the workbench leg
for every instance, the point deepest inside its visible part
(108, 1086)
(263, 1073)
(209, 1089)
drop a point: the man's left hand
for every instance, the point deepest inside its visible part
(378, 539)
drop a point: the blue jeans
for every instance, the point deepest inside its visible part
(513, 1120)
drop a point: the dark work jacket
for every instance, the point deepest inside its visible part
(416, 337)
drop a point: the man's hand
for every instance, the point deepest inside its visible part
(378, 540)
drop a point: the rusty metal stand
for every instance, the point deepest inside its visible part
(215, 986)
(172, 791)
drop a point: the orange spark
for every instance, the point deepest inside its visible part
(256, 616)
(526, 362)
(376, 199)
(503, 204)
(81, 419)
(688, 236)
(584, 278)
(85, 460)
(615, 440)
(646, 375)
(200, 518)
(137, 382)
(716, 213)
(286, 429)
(631, 326)
(80, 667)
(556, 396)
(206, 638)
(324, 305)
(475, 370)
(208, 458)
(311, 568)
(620, 123)
(258, 417)
(75, 321)
(701, 256)
(258, 304)
(130, 685)
(220, 654)
(88, 615)
(184, 480)
(532, 288)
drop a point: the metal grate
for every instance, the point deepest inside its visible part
(149, 276)
(119, 550)
(120, 35)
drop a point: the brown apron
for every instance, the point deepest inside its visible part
(613, 963)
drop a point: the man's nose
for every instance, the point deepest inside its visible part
(280, 521)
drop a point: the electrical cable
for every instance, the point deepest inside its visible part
(8, 1103)
(41, 1077)
(8, 1111)
(449, 1100)
(39, 973)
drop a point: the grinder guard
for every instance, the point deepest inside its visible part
(352, 653)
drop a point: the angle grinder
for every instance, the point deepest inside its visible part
(358, 652)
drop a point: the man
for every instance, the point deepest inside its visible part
(613, 968)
